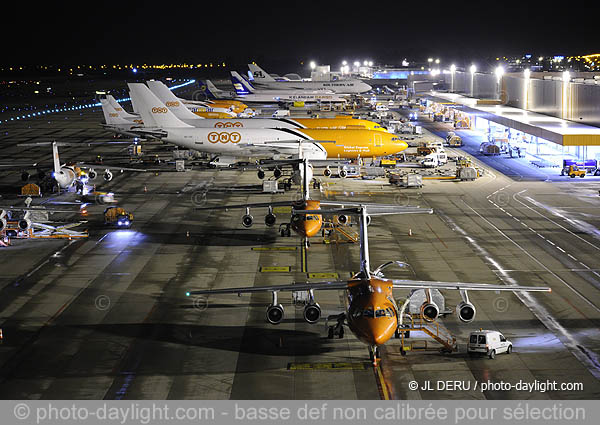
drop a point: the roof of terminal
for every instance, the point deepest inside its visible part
(557, 130)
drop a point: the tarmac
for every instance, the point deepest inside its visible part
(107, 317)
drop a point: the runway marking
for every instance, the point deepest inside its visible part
(274, 248)
(283, 269)
(327, 365)
(323, 275)
(436, 235)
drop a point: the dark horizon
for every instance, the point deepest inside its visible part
(278, 37)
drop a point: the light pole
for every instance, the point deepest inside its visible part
(452, 72)
(473, 69)
(527, 76)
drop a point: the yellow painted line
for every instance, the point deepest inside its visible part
(323, 276)
(304, 259)
(327, 366)
(382, 385)
(440, 178)
(274, 248)
(282, 210)
(275, 269)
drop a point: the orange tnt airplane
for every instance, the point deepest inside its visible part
(371, 311)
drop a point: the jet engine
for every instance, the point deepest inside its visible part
(261, 174)
(343, 219)
(277, 173)
(465, 312)
(92, 174)
(24, 224)
(429, 311)
(275, 314)
(327, 172)
(24, 176)
(343, 173)
(312, 313)
(270, 218)
(108, 176)
(247, 220)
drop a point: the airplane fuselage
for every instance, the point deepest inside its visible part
(372, 313)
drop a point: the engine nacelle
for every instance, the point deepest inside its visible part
(343, 173)
(270, 219)
(261, 174)
(275, 314)
(24, 224)
(247, 220)
(312, 313)
(92, 174)
(277, 173)
(108, 176)
(25, 176)
(465, 312)
(343, 219)
(327, 172)
(368, 220)
(429, 311)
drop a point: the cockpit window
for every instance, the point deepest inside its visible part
(368, 313)
(384, 313)
(395, 139)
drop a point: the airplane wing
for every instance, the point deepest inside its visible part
(295, 287)
(110, 167)
(460, 286)
(373, 209)
(249, 205)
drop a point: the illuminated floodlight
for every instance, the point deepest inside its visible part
(453, 68)
(566, 76)
(473, 69)
(313, 65)
(499, 71)
(437, 61)
(527, 73)
(430, 60)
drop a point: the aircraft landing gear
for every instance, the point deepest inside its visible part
(338, 328)
(285, 230)
(374, 354)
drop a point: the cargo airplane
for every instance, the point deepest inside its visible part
(371, 312)
(168, 98)
(308, 226)
(346, 86)
(246, 92)
(161, 123)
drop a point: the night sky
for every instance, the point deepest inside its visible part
(277, 34)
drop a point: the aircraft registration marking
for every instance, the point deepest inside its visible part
(275, 269)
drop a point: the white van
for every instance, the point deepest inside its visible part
(489, 343)
(280, 113)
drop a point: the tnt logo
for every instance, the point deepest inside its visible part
(172, 104)
(228, 124)
(214, 137)
(159, 110)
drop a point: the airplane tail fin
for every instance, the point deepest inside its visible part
(55, 157)
(260, 75)
(154, 112)
(111, 116)
(166, 96)
(119, 109)
(241, 86)
(211, 91)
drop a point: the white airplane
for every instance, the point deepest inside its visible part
(27, 215)
(162, 124)
(246, 92)
(348, 86)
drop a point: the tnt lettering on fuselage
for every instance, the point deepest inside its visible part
(214, 137)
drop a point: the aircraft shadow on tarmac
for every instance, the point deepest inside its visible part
(268, 340)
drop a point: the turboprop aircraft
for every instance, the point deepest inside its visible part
(371, 312)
